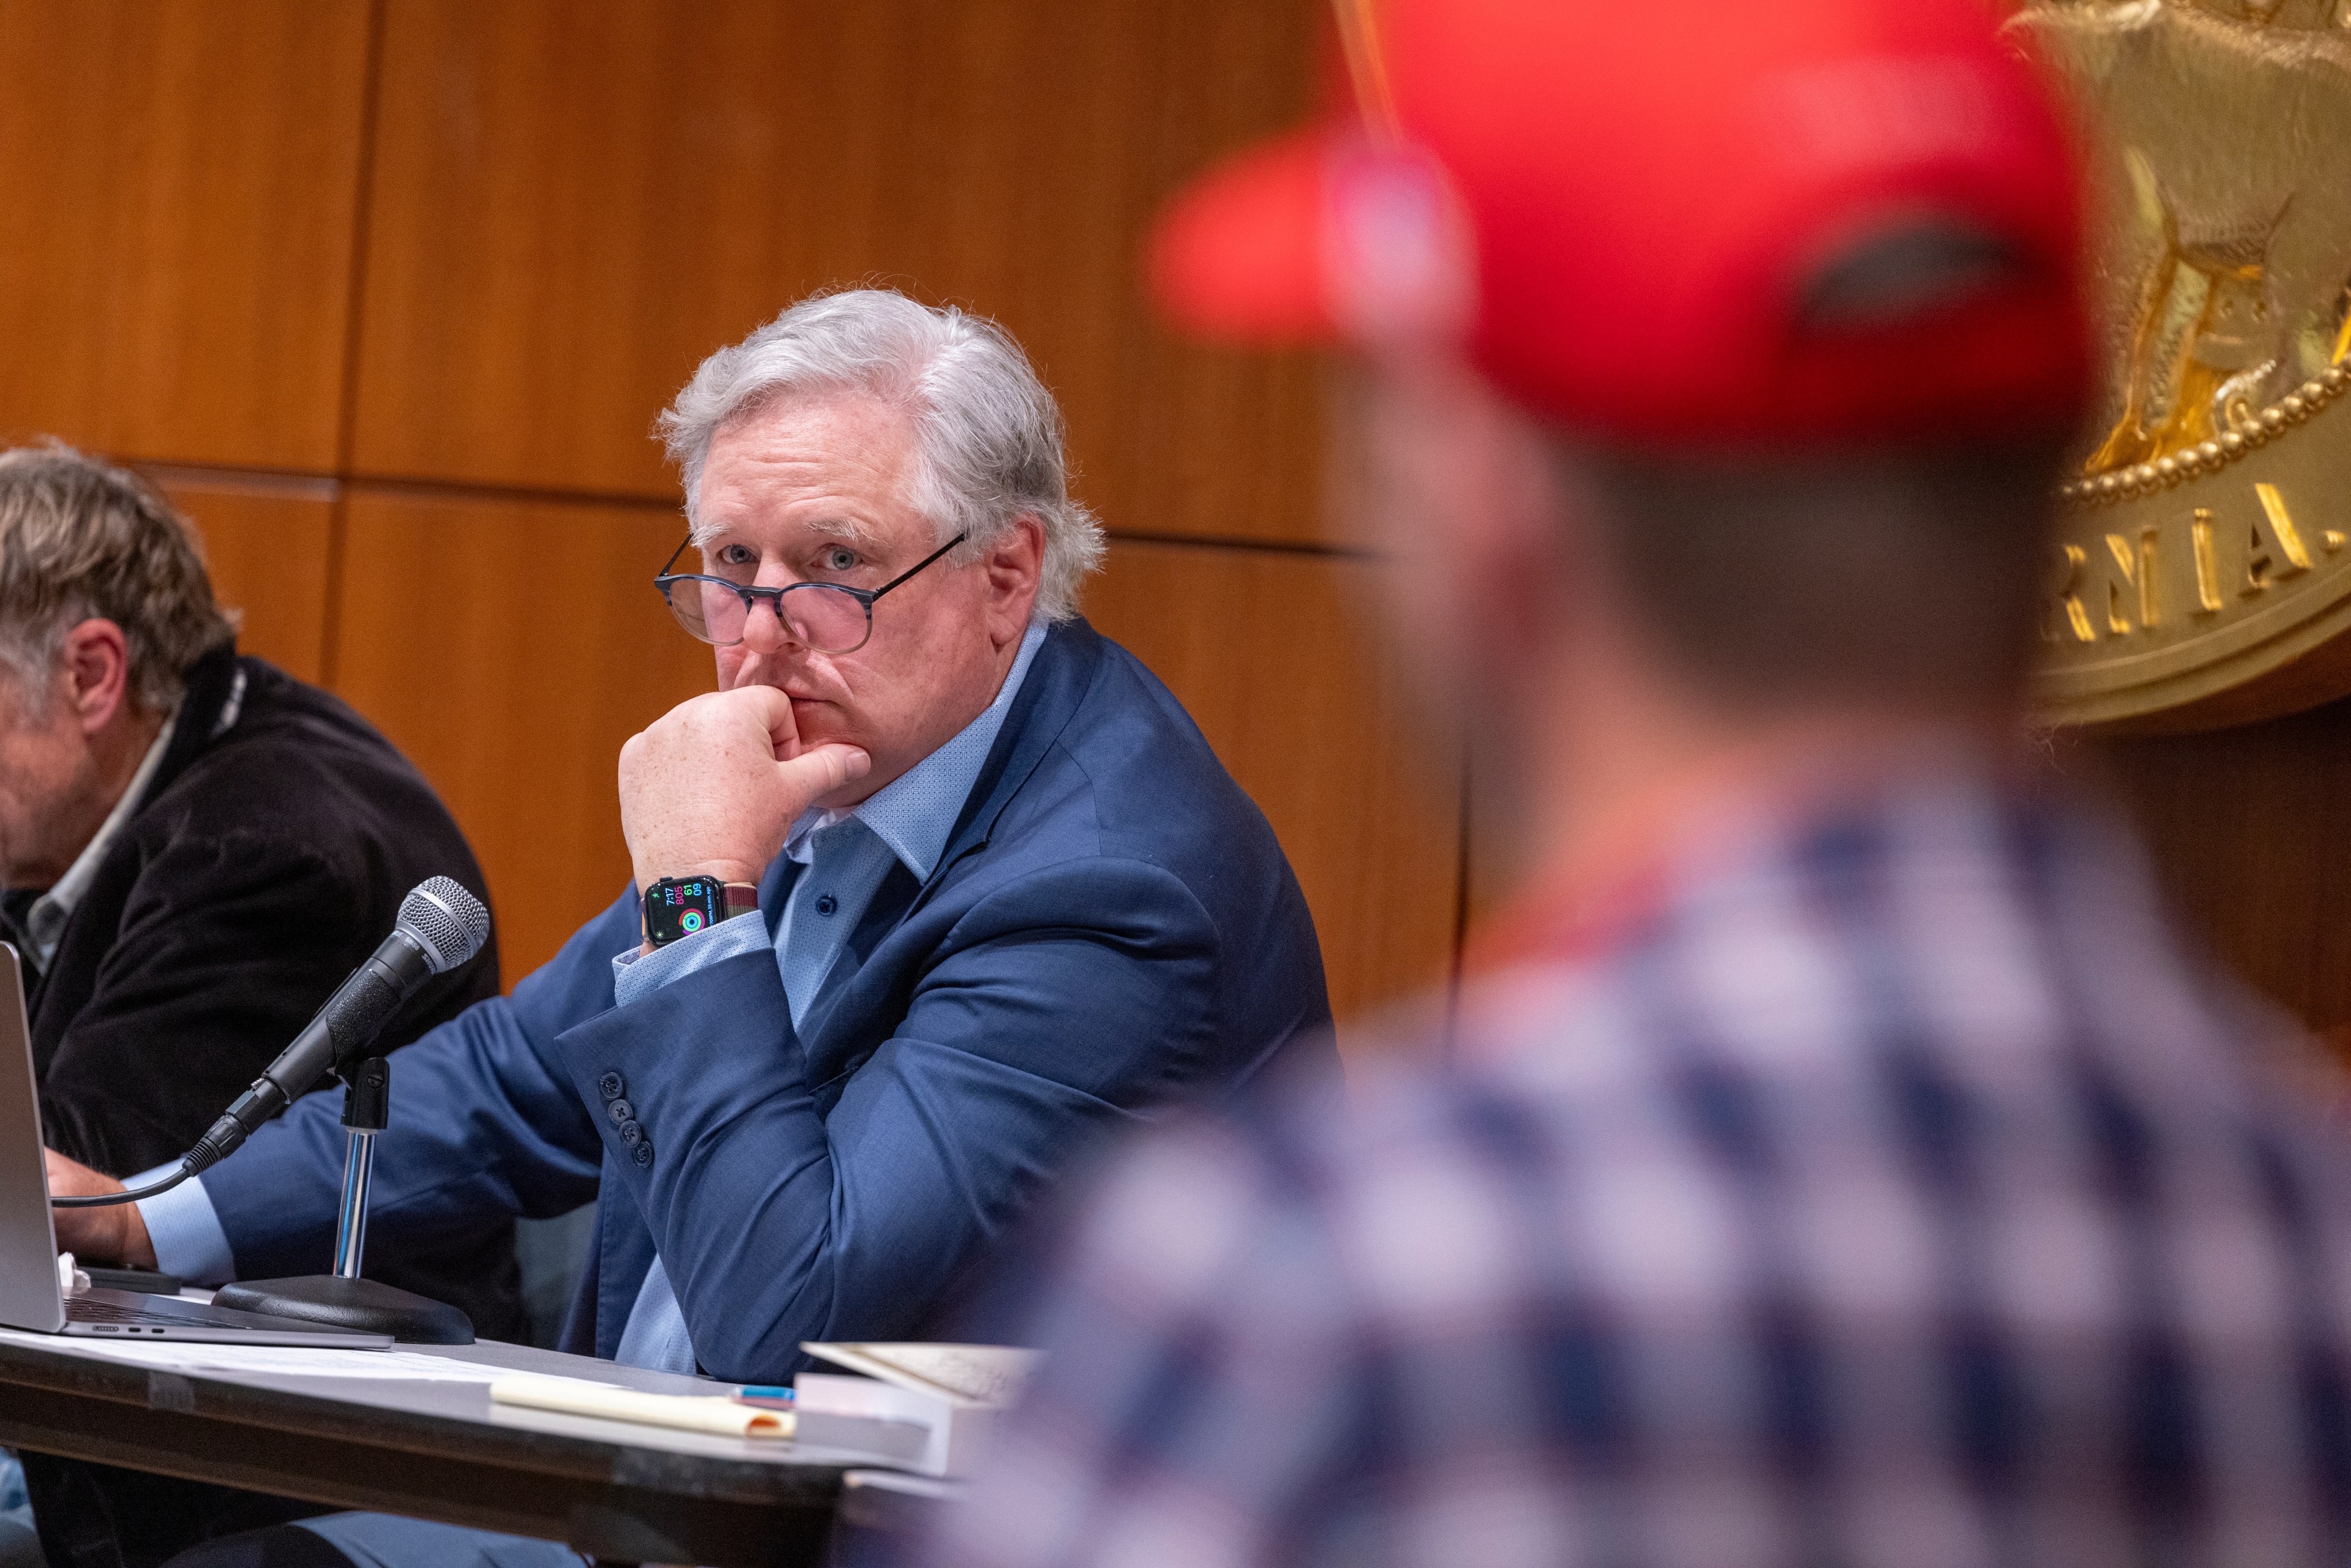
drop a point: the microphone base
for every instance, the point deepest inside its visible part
(362, 1306)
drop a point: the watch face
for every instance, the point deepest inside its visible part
(680, 906)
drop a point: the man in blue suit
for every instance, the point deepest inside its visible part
(1005, 898)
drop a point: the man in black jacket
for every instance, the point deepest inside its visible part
(195, 849)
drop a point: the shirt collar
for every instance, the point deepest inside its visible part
(1729, 808)
(914, 812)
(44, 923)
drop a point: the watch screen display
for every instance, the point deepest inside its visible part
(680, 906)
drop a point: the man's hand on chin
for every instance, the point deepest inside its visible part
(711, 788)
(115, 1233)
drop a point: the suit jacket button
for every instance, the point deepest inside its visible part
(631, 1135)
(611, 1086)
(643, 1154)
(620, 1111)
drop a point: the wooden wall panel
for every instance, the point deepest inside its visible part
(510, 650)
(1262, 648)
(179, 180)
(575, 203)
(268, 551)
(2247, 828)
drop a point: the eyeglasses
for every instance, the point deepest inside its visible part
(824, 617)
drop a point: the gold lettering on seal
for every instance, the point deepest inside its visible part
(2150, 589)
(2096, 587)
(2070, 559)
(2273, 547)
(2207, 568)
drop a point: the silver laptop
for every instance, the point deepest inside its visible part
(31, 1296)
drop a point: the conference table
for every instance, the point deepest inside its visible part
(420, 1436)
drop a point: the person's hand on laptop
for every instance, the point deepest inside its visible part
(114, 1235)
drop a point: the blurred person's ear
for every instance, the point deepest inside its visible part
(1485, 553)
(95, 663)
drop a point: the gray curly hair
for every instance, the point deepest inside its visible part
(81, 539)
(987, 434)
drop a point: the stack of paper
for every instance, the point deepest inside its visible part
(954, 1392)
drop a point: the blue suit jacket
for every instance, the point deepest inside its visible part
(1112, 926)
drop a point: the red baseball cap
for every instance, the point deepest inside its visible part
(1797, 222)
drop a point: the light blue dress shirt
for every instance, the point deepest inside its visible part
(847, 855)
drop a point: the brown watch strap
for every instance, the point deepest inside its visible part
(742, 898)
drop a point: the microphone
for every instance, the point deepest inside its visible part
(440, 926)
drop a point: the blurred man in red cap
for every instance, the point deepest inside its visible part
(1838, 1158)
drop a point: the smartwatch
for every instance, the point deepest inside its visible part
(679, 906)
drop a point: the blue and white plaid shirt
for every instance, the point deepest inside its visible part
(1891, 1187)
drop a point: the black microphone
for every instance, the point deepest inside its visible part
(440, 926)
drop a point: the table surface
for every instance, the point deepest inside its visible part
(616, 1490)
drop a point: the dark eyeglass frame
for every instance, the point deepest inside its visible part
(665, 581)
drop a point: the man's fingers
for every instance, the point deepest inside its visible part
(822, 769)
(773, 711)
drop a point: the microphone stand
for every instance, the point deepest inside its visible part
(367, 1109)
(342, 1300)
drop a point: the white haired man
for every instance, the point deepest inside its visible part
(997, 895)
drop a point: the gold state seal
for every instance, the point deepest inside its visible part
(2203, 575)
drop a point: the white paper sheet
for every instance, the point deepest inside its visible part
(285, 1360)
